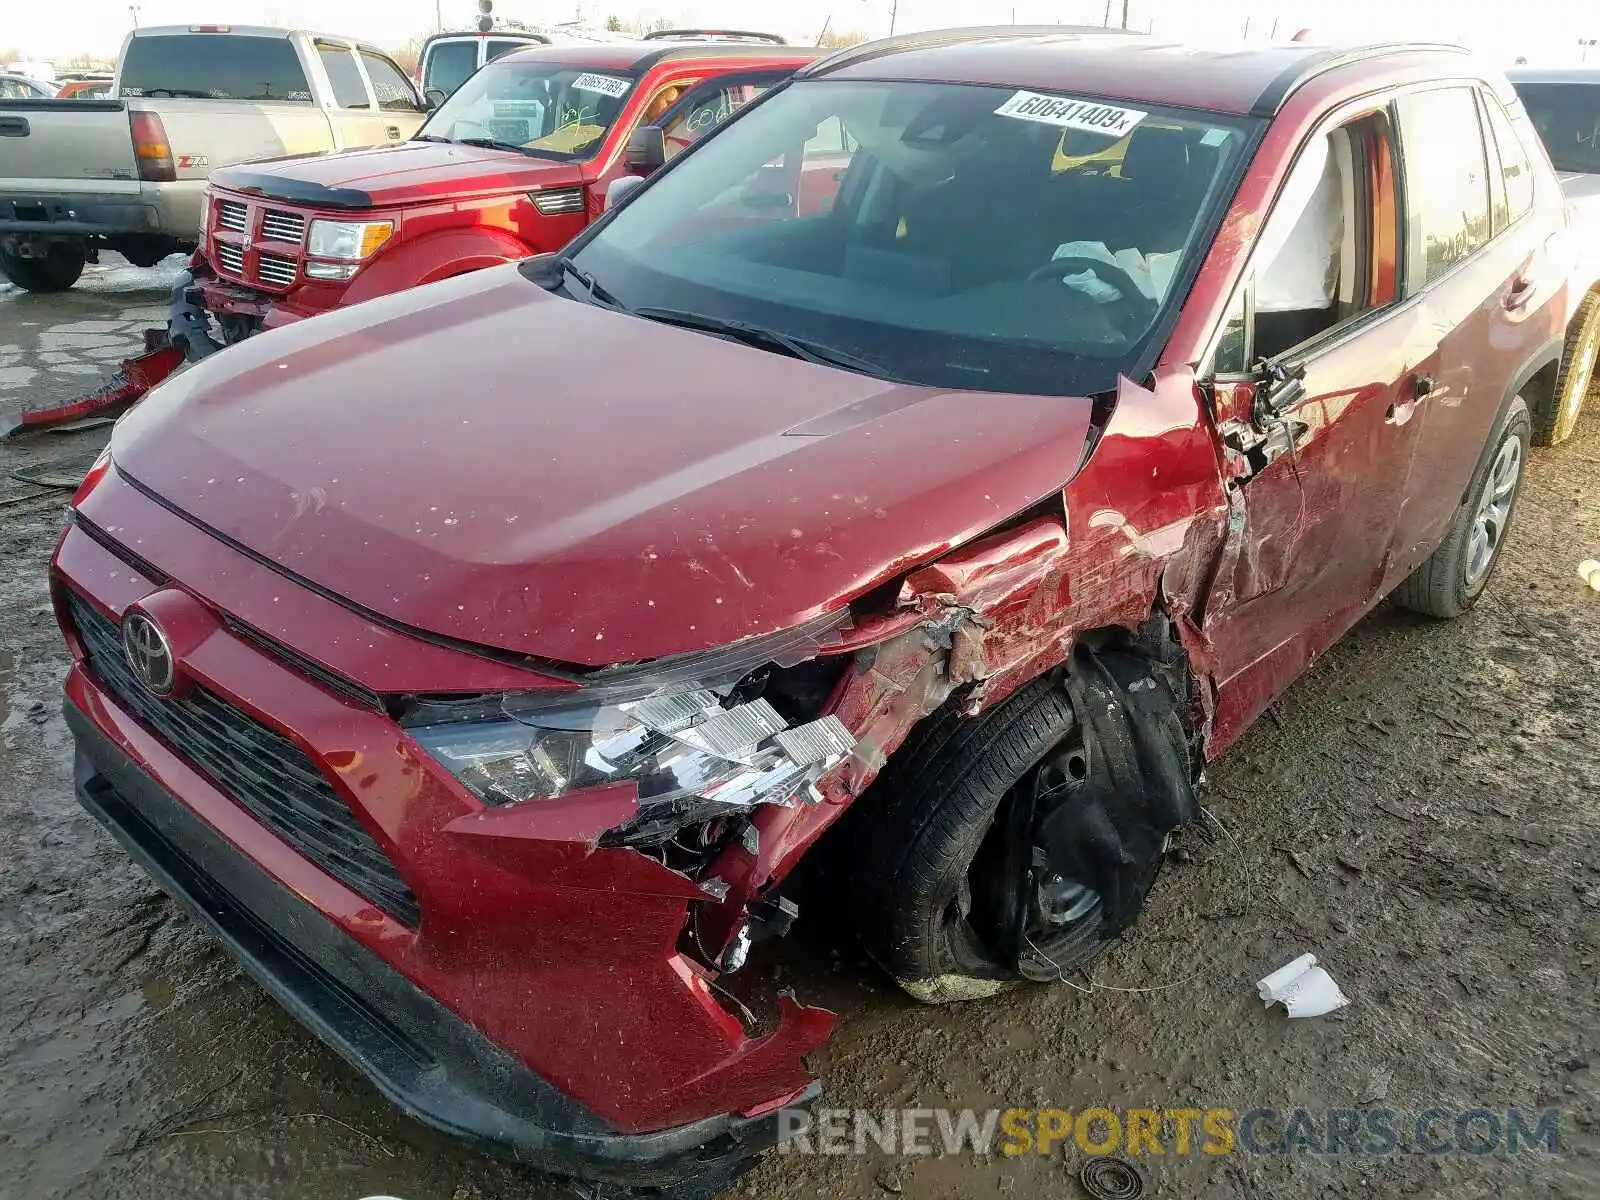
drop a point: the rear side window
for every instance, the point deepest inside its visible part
(497, 48)
(340, 64)
(1446, 176)
(449, 65)
(1567, 116)
(389, 84)
(212, 66)
(1515, 189)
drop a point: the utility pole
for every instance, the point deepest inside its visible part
(894, 11)
(438, 17)
(1125, 13)
(134, 10)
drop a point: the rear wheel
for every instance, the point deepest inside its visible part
(1451, 581)
(1016, 844)
(1554, 423)
(56, 271)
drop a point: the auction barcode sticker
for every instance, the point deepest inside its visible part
(1088, 115)
(606, 85)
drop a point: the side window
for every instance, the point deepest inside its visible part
(1327, 250)
(389, 84)
(701, 112)
(349, 90)
(1447, 192)
(496, 48)
(1516, 168)
(449, 64)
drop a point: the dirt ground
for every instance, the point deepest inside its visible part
(1422, 812)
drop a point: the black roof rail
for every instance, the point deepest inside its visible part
(689, 35)
(1320, 62)
(932, 38)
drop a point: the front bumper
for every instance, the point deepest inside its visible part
(285, 768)
(424, 1059)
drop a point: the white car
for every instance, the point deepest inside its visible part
(1564, 106)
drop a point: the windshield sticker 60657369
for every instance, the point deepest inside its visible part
(1092, 116)
(607, 85)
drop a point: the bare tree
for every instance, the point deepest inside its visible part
(835, 39)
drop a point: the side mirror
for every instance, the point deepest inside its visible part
(435, 97)
(647, 150)
(620, 188)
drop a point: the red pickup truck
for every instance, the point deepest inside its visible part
(517, 161)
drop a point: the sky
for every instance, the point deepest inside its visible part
(1544, 30)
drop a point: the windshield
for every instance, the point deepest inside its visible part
(952, 235)
(540, 107)
(1567, 117)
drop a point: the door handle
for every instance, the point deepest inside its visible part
(1518, 294)
(393, 131)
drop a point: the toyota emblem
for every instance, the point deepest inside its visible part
(148, 652)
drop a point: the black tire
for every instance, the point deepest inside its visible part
(936, 857)
(1554, 422)
(1449, 583)
(57, 271)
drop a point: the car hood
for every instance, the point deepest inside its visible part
(388, 175)
(485, 461)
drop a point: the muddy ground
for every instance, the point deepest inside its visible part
(1422, 812)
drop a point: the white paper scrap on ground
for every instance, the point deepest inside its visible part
(1303, 988)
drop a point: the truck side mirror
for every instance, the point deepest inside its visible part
(647, 150)
(435, 97)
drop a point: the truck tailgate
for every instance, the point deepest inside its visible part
(66, 146)
(207, 134)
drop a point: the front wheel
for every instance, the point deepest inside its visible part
(1016, 844)
(1554, 423)
(1451, 581)
(56, 271)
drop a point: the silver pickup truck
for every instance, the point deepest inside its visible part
(127, 173)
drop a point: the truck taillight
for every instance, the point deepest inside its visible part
(150, 148)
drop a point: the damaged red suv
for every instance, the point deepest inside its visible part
(478, 662)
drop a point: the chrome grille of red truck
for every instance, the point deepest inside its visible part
(261, 770)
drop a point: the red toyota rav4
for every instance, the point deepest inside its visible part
(518, 160)
(981, 508)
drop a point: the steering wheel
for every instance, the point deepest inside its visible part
(1133, 301)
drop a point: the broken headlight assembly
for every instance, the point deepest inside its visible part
(693, 753)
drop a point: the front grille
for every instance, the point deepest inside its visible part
(230, 258)
(275, 271)
(283, 226)
(233, 215)
(264, 772)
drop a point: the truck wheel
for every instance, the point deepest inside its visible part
(57, 271)
(1016, 844)
(1451, 581)
(1555, 423)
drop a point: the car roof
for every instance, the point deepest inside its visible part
(1242, 78)
(499, 35)
(641, 56)
(1554, 75)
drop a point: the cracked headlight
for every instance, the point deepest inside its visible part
(678, 748)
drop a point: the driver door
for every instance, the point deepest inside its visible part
(1321, 438)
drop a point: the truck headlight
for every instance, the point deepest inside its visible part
(688, 750)
(348, 240)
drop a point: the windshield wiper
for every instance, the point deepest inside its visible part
(429, 137)
(767, 339)
(596, 293)
(491, 144)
